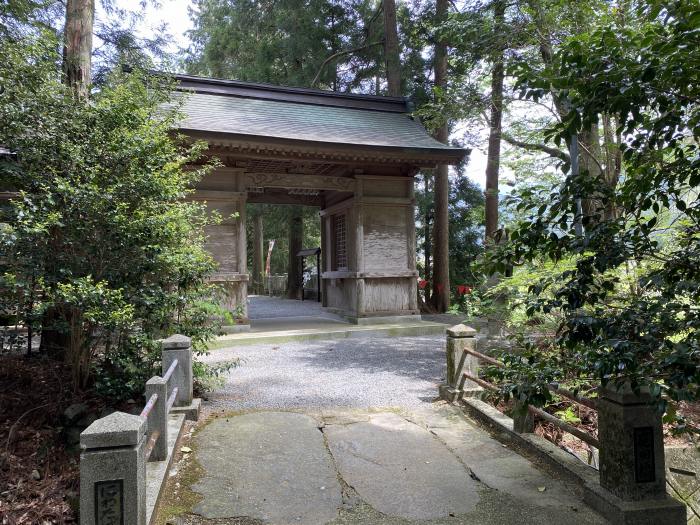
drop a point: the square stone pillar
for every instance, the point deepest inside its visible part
(632, 445)
(113, 471)
(459, 338)
(179, 347)
(157, 419)
(632, 473)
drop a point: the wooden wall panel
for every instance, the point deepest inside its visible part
(387, 295)
(385, 244)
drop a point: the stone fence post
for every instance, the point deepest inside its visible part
(179, 347)
(113, 471)
(523, 420)
(459, 338)
(157, 419)
(632, 459)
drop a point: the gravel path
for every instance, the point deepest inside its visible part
(264, 307)
(359, 373)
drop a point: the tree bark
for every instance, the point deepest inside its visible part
(77, 64)
(77, 50)
(391, 50)
(441, 259)
(296, 240)
(258, 279)
(493, 161)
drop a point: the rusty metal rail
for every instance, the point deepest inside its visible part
(480, 382)
(149, 405)
(171, 370)
(153, 438)
(171, 399)
(490, 360)
(590, 403)
(583, 436)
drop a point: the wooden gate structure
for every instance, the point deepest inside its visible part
(352, 156)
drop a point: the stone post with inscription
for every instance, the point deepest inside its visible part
(632, 468)
(459, 338)
(113, 471)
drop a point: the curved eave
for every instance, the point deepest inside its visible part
(233, 143)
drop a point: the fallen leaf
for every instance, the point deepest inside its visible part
(541, 489)
(186, 450)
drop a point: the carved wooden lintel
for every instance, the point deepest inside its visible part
(299, 180)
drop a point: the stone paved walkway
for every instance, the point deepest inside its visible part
(350, 433)
(264, 307)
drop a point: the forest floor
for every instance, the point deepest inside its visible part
(41, 418)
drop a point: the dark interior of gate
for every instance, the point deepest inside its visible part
(351, 156)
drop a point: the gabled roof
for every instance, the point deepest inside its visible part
(259, 112)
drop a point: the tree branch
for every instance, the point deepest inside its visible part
(530, 146)
(339, 54)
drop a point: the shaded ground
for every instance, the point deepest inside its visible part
(38, 444)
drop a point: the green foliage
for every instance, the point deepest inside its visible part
(100, 243)
(644, 73)
(276, 220)
(279, 42)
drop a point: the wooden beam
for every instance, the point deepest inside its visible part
(299, 181)
(282, 198)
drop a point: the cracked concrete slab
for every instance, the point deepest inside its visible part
(399, 468)
(370, 467)
(270, 466)
(496, 465)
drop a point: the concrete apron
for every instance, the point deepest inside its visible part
(428, 466)
(285, 330)
(157, 471)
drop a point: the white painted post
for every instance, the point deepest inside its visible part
(113, 471)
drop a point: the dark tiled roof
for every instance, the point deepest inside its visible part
(291, 120)
(315, 116)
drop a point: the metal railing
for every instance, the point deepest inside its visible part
(534, 411)
(117, 448)
(161, 394)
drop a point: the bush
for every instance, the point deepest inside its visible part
(101, 245)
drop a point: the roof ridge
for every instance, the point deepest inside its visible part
(317, 97)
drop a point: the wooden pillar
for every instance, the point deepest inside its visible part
(325, 256)
(358, 229)
(258, 268)
(411, 242)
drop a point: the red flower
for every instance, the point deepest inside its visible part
(463, 289)
(422, 284)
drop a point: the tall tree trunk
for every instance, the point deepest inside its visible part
(441, 264)
(296, 240)
(391, 49)
(77, 62)
(493, 161)
(258, 279)
(77, 51)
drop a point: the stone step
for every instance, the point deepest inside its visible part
(331, 332)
